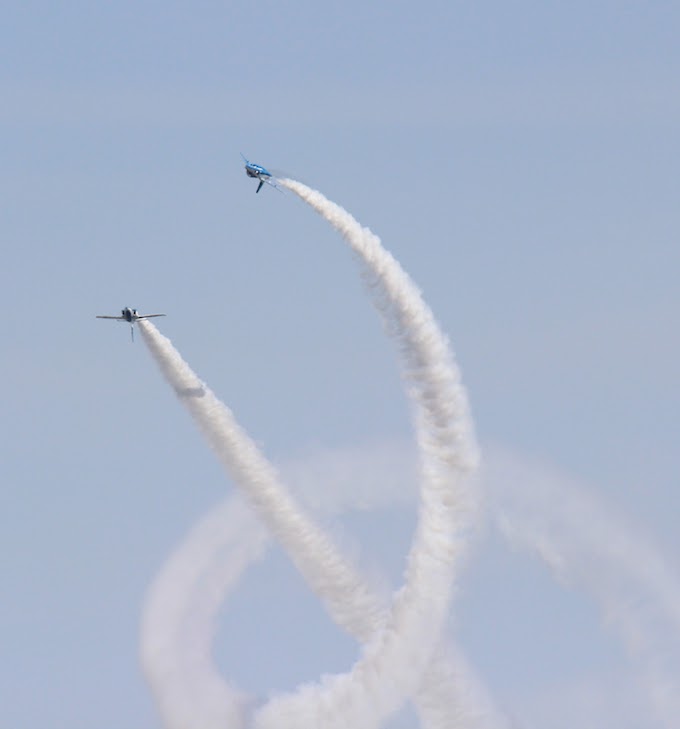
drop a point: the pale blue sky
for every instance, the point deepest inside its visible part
(520, 159)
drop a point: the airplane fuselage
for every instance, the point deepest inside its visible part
(256, 171)
(131, 316)
(259, 173)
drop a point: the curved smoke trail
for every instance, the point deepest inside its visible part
(448, 453)
(404, 649)
(583, 543)
(179, 616)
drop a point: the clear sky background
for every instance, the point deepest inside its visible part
(520, 159)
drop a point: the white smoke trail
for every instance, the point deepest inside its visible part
(449, 453)
(310, 548)
(583, 543)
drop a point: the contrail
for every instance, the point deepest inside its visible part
(583, 543)
(402, 651)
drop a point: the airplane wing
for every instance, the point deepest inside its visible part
(117, 318)
(272, 183)
(149, 316)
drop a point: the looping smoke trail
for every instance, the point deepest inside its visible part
(180, 611)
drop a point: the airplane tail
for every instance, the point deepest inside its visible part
(259, 187)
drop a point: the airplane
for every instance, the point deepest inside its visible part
(131, 316)
(263, 175)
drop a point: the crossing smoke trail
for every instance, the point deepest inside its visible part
(180, 612)
(578, 539)
(402, 651)
(347, 599)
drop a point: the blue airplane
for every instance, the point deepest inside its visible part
(263, 175)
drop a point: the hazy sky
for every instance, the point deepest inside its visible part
(520, 159)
